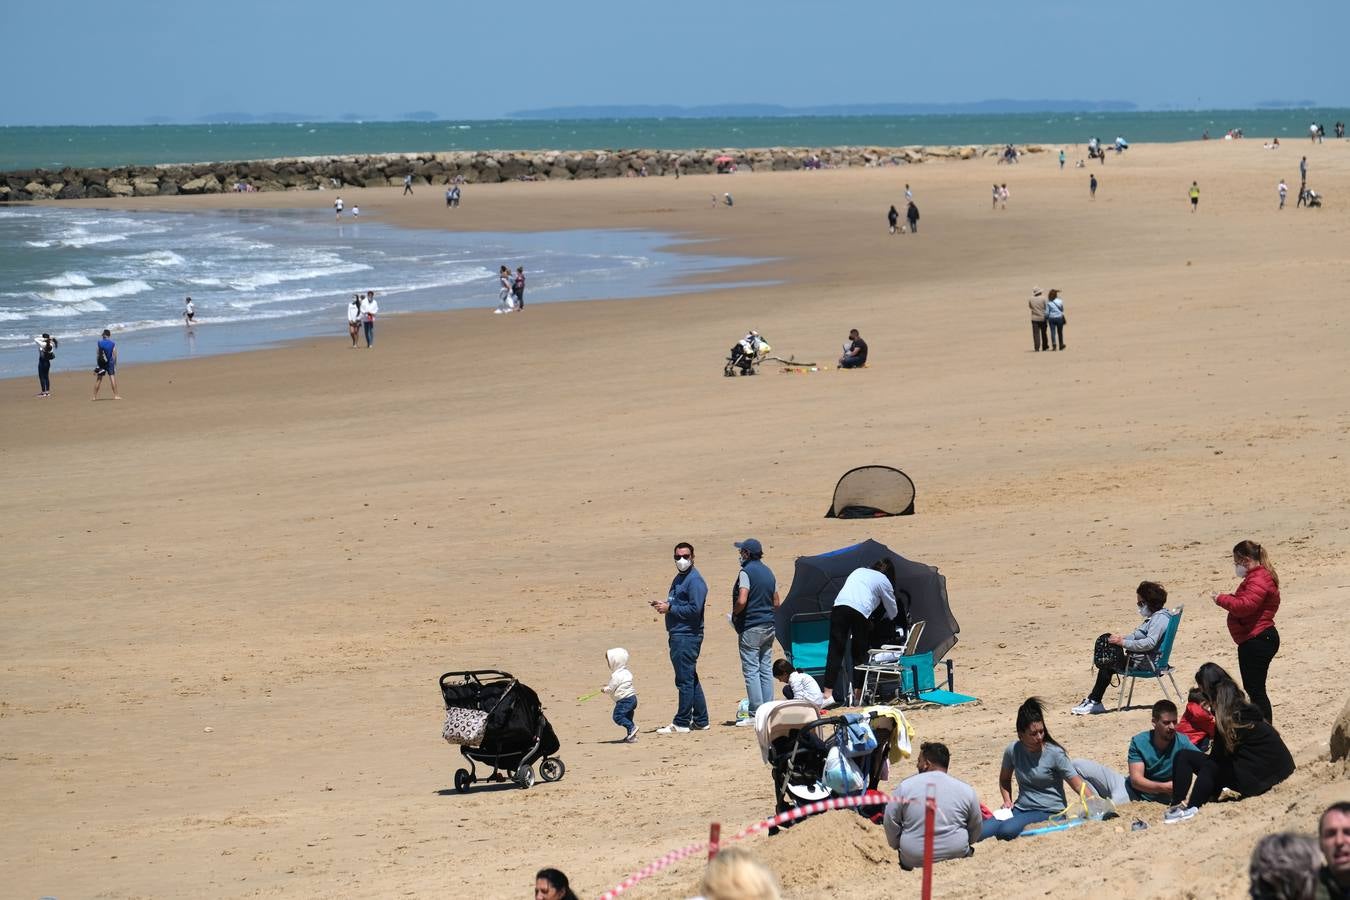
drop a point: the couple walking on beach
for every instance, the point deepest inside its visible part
(512, 290)
(1047, 320)
(361, 314)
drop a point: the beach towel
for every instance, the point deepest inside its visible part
(902, 735)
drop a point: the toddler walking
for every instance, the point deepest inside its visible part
(620, 688)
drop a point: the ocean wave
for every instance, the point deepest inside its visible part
(78, 295)
(8, 316)
(160, 258)
(205, 282)
(67, 279)
(71, 309)
(267, 279)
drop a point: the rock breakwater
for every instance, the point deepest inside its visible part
(477, 167)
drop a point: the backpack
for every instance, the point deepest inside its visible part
(1108, 656)
(102, 358)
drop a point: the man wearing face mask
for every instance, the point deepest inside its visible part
(1142, 643)
(683, 609)
(754, 598)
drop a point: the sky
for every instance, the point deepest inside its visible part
(140, 60)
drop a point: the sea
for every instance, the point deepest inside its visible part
(30, 147)
(258, 278)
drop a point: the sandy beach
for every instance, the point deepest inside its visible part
(229, 596)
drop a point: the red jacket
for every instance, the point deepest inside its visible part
(1196, 723)
(1251, 608)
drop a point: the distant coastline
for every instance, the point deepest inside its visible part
(111, 146)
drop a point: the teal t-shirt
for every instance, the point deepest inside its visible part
(1157, 765)
(1040, 777)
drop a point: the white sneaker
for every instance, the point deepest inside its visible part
(672, 728)
(1177, 814)
(744, 723)
(1088, 707)
(703, 727)
(632, 735)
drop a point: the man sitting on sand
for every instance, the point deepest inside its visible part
(1151, 754)
(957, 824)
(855, 352)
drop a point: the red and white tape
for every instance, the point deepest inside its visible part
(870, 798)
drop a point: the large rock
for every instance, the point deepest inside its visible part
(145, 187)
(207, 184)
(119, 187)
(72, 191)
(37, 190)
(1340, 735)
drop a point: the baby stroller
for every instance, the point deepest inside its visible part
(508, 729)
(746, 354)
(796, 743)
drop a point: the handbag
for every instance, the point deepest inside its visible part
(464, 726)
(1108, 656)
(841, 775)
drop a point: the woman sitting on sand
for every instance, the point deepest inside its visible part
(1041, 767)
(550, 884)
(1248, 755)
(1142, 644)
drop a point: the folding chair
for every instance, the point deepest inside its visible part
(1154, 668)
(809, 642)
(891, 662)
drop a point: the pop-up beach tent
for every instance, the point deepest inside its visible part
(920, 589)
(870, 492)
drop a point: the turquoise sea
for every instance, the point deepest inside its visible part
(30, 147)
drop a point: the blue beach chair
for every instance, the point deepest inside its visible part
(1155, 668)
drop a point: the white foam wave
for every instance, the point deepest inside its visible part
(7, 316)
(74, 238)
(206, 282)
(71, 309)
(78, 295)
(267, 279)
(160, 258)
(67, 279)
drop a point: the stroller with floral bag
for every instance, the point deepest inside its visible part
(498, 721)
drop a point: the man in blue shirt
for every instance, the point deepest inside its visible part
(1152, 752)
(106, 364)
(683, 609)
(754, 598)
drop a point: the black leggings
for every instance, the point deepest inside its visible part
(1210, 778)
(848, 628)
(1104, 677)
(1254, 656)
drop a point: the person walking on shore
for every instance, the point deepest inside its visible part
(1283, 191)
(893, 218)
(454, 196)
(504, 281)
(370, 307)
(683, 609)
(1040, 339)
(1061, 159)
(1251, 619)
(1195, 196)
(995, 204)
(1092, 187)
(46, 347)
(909, 195)
(754, 599)
(1303, 170)
(354, 318)
(912, 216)
(518, 287)
(448, 192)
(1003, 196)
(189, 313)
(407, 185)
(106, 364)
(1054, 318)
(337, 210)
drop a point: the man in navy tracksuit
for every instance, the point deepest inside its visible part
(683, 609)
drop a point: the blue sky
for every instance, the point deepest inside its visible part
(127, 62)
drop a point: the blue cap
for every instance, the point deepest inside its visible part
(751, 546)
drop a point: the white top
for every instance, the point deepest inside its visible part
(353, 312)
(804, 687)
(337, 204)
(369, 307)
(864, 589)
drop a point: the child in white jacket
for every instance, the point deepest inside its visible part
(620, 688)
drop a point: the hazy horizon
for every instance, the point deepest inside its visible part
(189, 62)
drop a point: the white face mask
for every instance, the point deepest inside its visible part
(1143, 611)
(1241, 571)
(684, 563)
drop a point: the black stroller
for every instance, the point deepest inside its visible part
(745, 355)
(797, 744)
(516, 735)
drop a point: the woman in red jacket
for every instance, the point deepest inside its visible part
(1251, 619)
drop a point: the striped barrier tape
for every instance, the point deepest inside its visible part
(869, 798)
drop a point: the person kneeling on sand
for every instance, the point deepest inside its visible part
(957, 824)
(855, 352)
(800, 685)
(1248, 755)
(1143, 643)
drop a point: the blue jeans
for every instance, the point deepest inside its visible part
(623, 712)
(370, 332)
(692, 708)
(756, 647)
(44, 375)
(1011, 828)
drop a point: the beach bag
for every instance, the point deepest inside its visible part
(464, 726)
(1085, 808)
(1108, 656)
(841, 775)
(857, 737)
(102, 360)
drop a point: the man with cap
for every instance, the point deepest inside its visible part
(1040, 336)
(753, 601)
